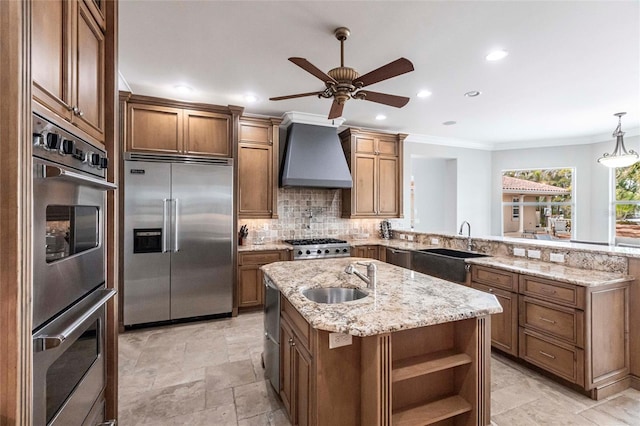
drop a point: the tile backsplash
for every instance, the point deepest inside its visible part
(309, 213)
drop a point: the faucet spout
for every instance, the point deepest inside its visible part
(469, 243)
(370, 279)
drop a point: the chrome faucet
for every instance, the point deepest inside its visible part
(371, 277)
(469, 243)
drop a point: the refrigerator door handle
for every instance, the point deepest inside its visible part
(164, 225)
(176, 247)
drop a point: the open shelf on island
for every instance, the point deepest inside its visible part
(408, 368)
(426, 414)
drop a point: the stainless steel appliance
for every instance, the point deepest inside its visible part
(399, 257)
(319, 248)
(69, 295)
(271, 353)
(178, 241)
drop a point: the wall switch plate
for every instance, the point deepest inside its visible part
(410, 237)
(533, 254)
(435, 241)
(556, 257)
(337, 340)
(518, 252)
(402, 236)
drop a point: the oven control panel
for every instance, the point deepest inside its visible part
(54, 144)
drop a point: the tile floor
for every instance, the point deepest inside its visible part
(209, 373)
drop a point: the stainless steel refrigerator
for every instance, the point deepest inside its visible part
(177, 238)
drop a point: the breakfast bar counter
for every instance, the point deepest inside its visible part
(415, 350)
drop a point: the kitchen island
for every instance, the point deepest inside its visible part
(415, 350)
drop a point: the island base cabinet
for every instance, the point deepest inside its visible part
(439, 375)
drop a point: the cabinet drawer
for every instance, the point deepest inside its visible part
(556, 357)
(553, 291)
(300, 326)
(558, 321)
(494, 277)
(260, 258)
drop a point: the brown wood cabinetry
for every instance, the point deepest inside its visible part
(250, 288)
(258, 168)
(419, 376)
(68, 63)
(579, 334)
(162, 126)
(371, 252)
(375, 161)
(504, 285)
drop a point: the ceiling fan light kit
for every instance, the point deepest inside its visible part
(344, 83)
(620, 157)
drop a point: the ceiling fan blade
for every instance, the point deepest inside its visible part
(392, 69)
(299, 95)
(382, 98)
(312, 69)
(336, 110)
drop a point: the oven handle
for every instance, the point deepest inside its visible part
(57, 172)
(44, 342)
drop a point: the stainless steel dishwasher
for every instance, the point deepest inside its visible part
(399, 257)
(271, 353)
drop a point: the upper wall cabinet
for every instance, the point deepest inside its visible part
(258, 167)
(68, 51)
(375, 161)
(161, 126)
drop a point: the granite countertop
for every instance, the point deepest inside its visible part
(552, 271)
(264, 247)
(403, 299)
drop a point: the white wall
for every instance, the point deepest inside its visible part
(471, 170)
(436, 194)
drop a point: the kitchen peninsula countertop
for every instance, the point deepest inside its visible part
(264, 247)
(556, 272)
(403, 299)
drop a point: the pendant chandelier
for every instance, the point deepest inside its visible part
(620, 157)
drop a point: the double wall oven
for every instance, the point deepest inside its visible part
(69, 294)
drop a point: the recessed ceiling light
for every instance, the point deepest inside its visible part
(182, 88)
(250, 98)
(472, 94)
(424, 94)
(381, 117)
(496, 55)
(449, 123)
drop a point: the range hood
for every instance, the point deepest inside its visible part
(313, 157)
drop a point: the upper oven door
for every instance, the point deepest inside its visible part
(68, 228)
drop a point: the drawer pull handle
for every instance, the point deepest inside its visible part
(547, 320)
(490, 290)
(547, 355)
(546, 290)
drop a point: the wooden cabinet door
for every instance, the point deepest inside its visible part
(50, 54)
(286, 366)
(365, 145)
(388, 186)
(504, 326)
(302, 386)
(360, 251)
(89, 74)
(154, 129)
(206, 133)
(372, 252)
(250, 287)
(255, 176)
(364, 185)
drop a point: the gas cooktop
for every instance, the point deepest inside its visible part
(319, 248)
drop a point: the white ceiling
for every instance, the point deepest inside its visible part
(571, 64)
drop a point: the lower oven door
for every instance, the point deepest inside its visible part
(69, 362)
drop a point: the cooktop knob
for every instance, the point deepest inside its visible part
(319, 251)
(326, 251)
(68, 147)
(104, 162)
(308, 252)
(299, 251)
(344, 250)
(53, 141)
(94, 159)
(337, 250)
(38, 139)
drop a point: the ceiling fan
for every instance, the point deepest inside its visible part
(344, 83)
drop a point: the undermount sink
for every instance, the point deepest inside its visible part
(443, 263)
(333, 294)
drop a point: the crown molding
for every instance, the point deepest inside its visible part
(313, 119)
(457, 143)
